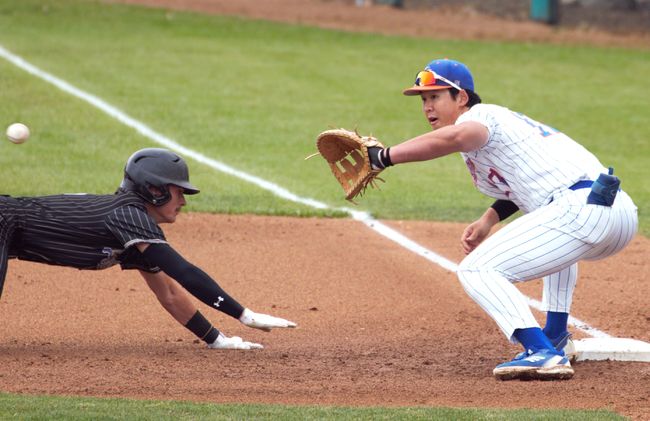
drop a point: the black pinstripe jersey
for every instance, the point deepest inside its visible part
(81, 230)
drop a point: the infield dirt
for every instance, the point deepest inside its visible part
(388, 328)
(382, 326)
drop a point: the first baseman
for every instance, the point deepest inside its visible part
(99, 231)
(573, 210)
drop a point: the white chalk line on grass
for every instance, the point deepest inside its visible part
(162, 140)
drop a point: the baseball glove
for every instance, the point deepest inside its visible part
(346, 152)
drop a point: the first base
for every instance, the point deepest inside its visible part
(614, 349)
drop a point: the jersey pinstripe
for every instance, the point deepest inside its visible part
(534, 166)
(546, 243)
(80, 231)
(524, 160)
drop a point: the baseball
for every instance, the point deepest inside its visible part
(18, 133)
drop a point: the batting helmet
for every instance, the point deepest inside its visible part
(154, 167)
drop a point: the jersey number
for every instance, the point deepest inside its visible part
(543, 128)
(495, 177)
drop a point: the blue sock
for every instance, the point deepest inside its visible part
(533, 337)
(556, 324)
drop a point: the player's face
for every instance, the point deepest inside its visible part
(167, 213)
(440, 108)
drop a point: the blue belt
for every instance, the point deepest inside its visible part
(603, 191)
(582, 184)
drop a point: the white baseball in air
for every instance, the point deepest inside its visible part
(18, 133)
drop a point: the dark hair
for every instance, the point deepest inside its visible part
(473, 96)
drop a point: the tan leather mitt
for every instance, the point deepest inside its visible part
(346, 152)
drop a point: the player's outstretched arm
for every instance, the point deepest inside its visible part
(175, 300)
(171, 296)
(199, 284)
(193, 279)
(463, 137)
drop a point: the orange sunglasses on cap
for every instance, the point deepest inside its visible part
(429, 78)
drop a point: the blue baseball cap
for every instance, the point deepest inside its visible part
(442, 74)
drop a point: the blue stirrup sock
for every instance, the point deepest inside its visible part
(556, 324)
(533, 338)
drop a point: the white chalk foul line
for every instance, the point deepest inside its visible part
(364, 217)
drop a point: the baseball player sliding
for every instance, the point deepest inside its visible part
(99, 231)
(573, 210)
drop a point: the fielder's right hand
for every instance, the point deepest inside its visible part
(263, 321)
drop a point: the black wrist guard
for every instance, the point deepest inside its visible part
(379, 158)
(504, 208)
(202, 328)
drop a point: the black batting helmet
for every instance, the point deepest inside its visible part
(154, 167)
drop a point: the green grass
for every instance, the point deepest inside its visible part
(254, 95)
(73, 408)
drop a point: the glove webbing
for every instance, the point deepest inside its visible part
(350, 171)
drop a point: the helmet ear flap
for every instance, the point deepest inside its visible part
(144, 190)
(162, 198)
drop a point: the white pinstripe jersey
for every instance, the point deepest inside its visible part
(525, 161)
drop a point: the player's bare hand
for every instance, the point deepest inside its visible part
(233, 342)
(474, 235)
(263, 321)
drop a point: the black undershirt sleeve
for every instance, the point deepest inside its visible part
(193, 279)
(504, 208)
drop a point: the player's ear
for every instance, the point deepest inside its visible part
(463, 98)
